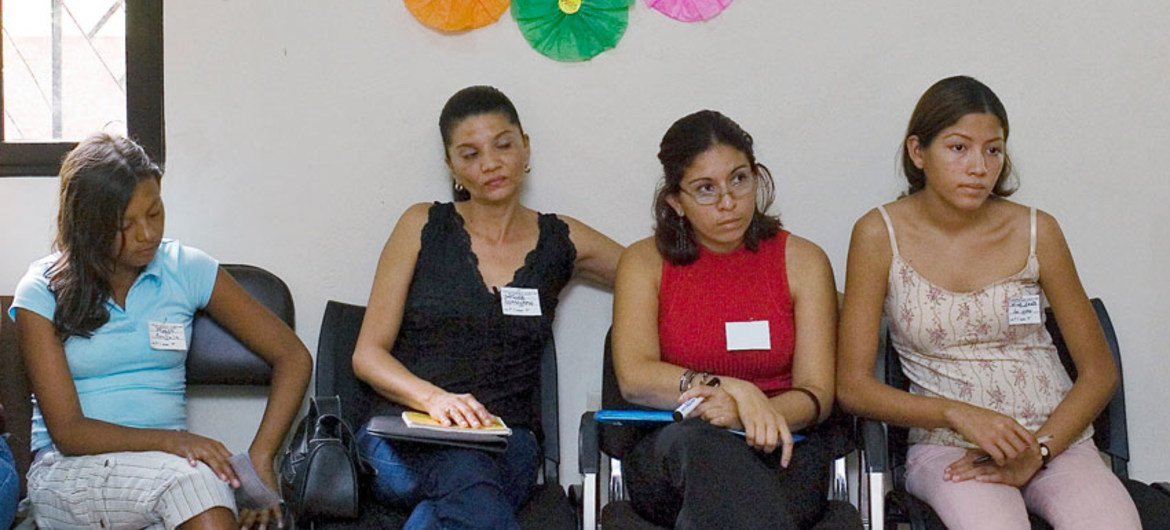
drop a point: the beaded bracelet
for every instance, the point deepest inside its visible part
(815, 401)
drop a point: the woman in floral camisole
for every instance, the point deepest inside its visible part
(962, 274)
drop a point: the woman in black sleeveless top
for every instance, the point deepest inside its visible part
(462, 304)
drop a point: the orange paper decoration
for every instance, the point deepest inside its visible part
(457, 15)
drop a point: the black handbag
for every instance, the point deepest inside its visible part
(321, 473)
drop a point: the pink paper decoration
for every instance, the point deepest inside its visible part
(689, 10)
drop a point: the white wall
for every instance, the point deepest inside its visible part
(298, 131)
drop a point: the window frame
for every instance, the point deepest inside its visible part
(145, 122)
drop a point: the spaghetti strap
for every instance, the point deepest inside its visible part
(1032, 241)
(890, 229)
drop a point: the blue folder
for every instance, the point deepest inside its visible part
(643, 417)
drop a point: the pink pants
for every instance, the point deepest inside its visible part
(1076, 491)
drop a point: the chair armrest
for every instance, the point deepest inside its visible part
(588, 455)
(586, 497)
(1163, 487)
(874, 443)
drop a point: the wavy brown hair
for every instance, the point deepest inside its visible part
(684, 141)
(98, 177)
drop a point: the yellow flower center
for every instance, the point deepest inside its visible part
(569, 7)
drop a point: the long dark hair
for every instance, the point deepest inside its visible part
(98, 178)
(468, 102)
(684, 141)
(943, 105)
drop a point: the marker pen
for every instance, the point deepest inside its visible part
(689, 405)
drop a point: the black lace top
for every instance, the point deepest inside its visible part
(454, 332)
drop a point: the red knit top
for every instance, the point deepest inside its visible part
(694, 302)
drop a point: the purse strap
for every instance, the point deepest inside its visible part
(324, 405)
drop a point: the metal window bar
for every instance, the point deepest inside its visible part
(58, 9)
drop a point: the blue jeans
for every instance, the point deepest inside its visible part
(453, 488)
(9, 485)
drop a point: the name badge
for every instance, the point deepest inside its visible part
(164, 336)
(1024, 310)
(520, 301)
(748, 335)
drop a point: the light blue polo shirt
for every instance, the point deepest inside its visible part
(119, 377)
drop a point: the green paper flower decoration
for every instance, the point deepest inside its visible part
(571, 30)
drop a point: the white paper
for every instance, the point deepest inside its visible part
(753, 335)
(164, 336)
(1024, 309)
(520, 301)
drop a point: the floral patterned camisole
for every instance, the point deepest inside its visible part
(960, 345)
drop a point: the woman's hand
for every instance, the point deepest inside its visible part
(718, 407)
(974, 465)
(197, 449)
(461, 409)
(764, 428)
(260, 518)
(998, 435)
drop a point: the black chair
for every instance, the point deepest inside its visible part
(884, 446)
(215, 357)
(548, 508)
(615, 441)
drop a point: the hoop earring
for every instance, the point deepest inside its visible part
(527, 168)
(459, 187)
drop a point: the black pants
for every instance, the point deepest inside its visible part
(694, 475)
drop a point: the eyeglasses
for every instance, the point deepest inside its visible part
(741, 185)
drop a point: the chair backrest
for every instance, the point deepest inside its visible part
(1110, 426)
(215, 356)
(15, 394)
(339, 332)
(616, 440)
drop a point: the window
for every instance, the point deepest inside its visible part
(74, 67)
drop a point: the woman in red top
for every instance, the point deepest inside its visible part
(722, 291)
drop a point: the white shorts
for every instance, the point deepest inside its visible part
(131, 490)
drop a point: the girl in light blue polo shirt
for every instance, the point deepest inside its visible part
(104, 325)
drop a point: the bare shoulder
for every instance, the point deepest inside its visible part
(1019, 215)
(416, 215)
(411, 222)
(574, 224)
(1051, 246)
(871, 228)
(642, 255)
(804, 253)
(1046, 225)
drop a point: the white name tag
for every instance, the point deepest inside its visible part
(748, 335)
(164, 336)
(1024, 310)
(520, 301)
